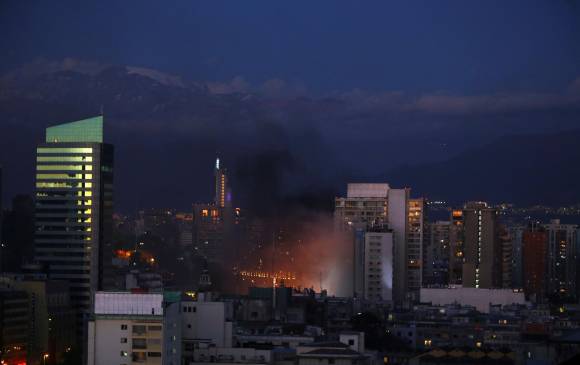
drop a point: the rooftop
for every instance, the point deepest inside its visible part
(86, 130)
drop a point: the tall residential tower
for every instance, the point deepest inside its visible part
(371, 208)
(482, 251)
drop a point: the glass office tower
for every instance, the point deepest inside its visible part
(74, 202)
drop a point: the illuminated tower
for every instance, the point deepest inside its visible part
(221, 198)
(74, 202)
(482, 250)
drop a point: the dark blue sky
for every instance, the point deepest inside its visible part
(463, 47)
(431, 78)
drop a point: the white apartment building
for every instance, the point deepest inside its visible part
(371, 207)
(126, 329)
(378, 266)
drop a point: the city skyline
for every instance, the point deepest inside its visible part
(304, 183)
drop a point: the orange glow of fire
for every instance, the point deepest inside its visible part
(281, 275)
(123, 254)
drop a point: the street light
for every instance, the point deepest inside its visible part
(44, 357)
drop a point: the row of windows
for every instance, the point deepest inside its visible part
(65, 209)
(64, 159)
(51, 185)
(61, 220)
(42, 237)
(64, 176)
(57, 203)
(141, 329)
(65, 167)
(140, 356)
(64, 194)
(40, 150)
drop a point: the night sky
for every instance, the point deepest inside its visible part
(412, 46)
(399, 83)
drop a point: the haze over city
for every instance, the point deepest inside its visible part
(289, 183)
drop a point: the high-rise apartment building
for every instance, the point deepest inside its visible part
(535, 258)
(74, 208)
(414, 246)
(506, 248)
(365, 204)
(516, 238)
(212, 224)
(378, 265)
(208, 232)
(561, 258)
(482, 249)
(364, 207)
(456, 247)
(368, 207)
(436, 254)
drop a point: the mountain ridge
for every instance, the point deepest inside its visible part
(523, 169)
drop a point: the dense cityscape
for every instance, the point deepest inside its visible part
(383, 277)
(289, 183)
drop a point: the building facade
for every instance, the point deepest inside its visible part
(378, 265)
(562, 257)
(482, 267)
(368, 207)
(126, 328)
(74, 208)
(15, 326)
(535, 263)
(517, 245)
(456, 247)
(222, 196)
(436, 254)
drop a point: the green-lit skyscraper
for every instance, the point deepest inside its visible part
(74, 207)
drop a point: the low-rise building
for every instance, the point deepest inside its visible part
(480, 298)
(126, 328)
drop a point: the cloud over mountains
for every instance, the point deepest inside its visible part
(178, 125)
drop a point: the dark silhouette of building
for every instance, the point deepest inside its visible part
(482, 267)
(535, 256)
(456, 247)
(17, 235)
(15, 319)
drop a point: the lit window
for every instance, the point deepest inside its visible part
(63, 150)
